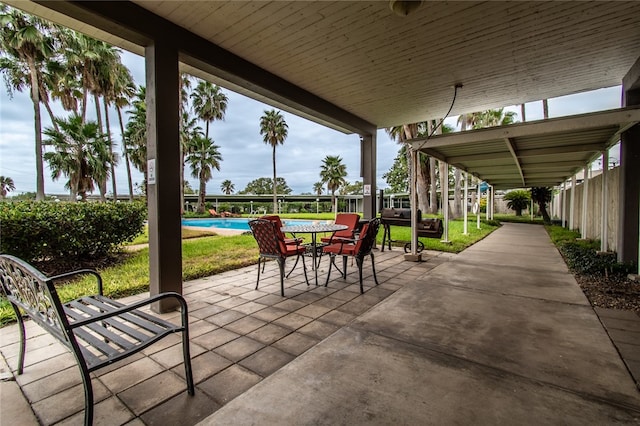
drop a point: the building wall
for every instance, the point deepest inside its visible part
(594, 209)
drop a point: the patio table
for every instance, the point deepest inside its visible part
(313, 230)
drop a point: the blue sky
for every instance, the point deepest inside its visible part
(245, 155)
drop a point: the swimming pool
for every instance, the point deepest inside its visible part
(240, 224)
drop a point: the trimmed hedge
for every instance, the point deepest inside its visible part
(38, 231)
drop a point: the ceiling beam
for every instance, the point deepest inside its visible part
(516, 160)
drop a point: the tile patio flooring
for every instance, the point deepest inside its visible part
(239, 336)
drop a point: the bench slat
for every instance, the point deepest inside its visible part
(96, 342)
(119, 325)
(103, 331)
(141, 319)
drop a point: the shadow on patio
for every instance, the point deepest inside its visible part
(500, 333)
(239, 336)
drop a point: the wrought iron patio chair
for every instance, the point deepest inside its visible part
(272, 245)
(356, 248)
(288, 241)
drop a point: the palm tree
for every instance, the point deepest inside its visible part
(402, 134)
(274, 131)
(227, 187)
(136, 133)
(108, 87)
(209, 103)
(81, 153)
(123, 91)
(318, 188)
(184, 84)
(204, 156)
(64, 85)
(333, 173)
(488, 118)
(6, 185)
(189, 131)
(542, 195)
(25, 39)
(91, 60)
(518, 200)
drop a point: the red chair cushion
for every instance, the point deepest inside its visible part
(342, 249)
(349, 219)
(293, 250)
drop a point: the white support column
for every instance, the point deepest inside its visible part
(487, 209)
(563, 203)
(585, 203)
(445, 204)
(493, 200)
(604, 234)
(414, 202)
(464, 203)
(572, 202)
(479, 197)
(531, 210)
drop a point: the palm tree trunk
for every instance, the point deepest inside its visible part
(125, 153)
(334, 209)
(422, 183)
(180, 129)
(102, 185)
(275, 186)
(53, 117)
(444, 174)
(35, 98)
(543, 211)
(85, 100)
(113, 167)
(433, 194)
(457, 196)
(181, 177)
(202, 193)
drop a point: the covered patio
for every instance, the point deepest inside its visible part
(484, 336)
(361, 66)
(487, 336)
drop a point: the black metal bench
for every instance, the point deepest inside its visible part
(97, 330)
(428, 228)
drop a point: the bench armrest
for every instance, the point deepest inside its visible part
(80, 272)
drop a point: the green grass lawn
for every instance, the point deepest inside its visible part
(204, 255)
(457, 240)
(201, 257)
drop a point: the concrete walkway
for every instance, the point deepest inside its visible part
(499, 334)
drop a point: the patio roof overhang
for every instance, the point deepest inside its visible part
(537, 153)
(354, 65)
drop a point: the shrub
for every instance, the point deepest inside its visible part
(584, 257)
(518, 200)
(38, 231)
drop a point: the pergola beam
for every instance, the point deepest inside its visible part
(516, 160)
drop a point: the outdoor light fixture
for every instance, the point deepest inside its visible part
(404, 7)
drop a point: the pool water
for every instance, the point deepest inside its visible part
(241, 224)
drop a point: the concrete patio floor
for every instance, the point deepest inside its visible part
(500, 333)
